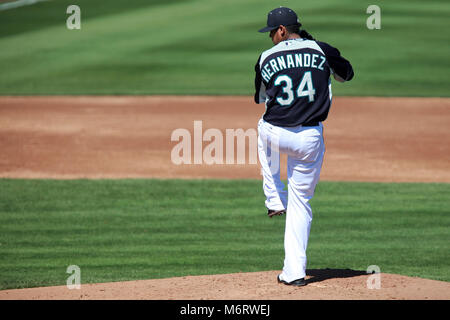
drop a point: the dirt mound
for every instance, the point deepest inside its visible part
(326, 284)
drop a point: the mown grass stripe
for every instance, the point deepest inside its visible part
(119, 230)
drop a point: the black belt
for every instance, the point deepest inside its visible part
(310, 124)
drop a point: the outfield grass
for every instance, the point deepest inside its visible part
(118, 230)
(211, 46)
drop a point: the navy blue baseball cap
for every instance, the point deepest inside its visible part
(280, 16)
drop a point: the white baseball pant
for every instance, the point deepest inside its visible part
(305, 149)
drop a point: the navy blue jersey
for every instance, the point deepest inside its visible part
(293, 80)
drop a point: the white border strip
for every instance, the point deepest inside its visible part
(18, 3)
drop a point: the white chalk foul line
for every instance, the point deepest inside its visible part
(18, 3)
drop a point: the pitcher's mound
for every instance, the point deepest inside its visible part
(327, 284)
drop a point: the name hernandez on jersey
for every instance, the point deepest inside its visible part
(293, 79)
(292, 60)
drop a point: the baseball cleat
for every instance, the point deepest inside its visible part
(297, 283)
(272, 213)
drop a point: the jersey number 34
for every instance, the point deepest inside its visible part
(305, 88)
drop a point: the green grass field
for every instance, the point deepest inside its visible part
(141, 229)
(211, 46)
(118, 230)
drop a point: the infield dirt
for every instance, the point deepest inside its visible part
(367, 139)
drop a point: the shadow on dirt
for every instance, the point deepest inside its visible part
(317, 275)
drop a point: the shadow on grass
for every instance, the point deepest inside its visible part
(317, 275)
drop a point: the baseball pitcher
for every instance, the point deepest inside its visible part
(293, 80)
